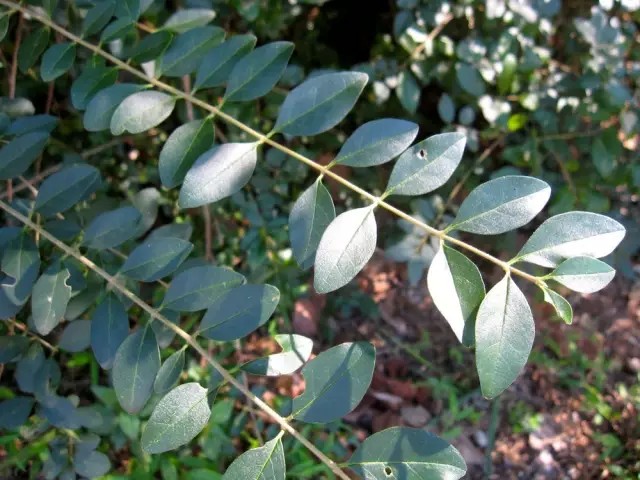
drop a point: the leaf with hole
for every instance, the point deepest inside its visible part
(155, 259)
(218, 173)
(216, 66)
(262, 463)
(408, 454)
(109, 328)
(18, 155)
(377, 142)
(89, 83)
(188, 49)
(169, 373)
(583, 274)
(310, 216)
(457, 289)
(296, 350)
(196, 288)
(15, 412)
(33, 46)
(110, 229)
(345, 248)
(182, 149)
(51, 294)
(98, 16)
(135, 367)
(504, 336)
(141, 111)
(569, 235)
(189, 18)
(178, 417)
(319, 103)
(258, 72)
(57, 60)
(21, 261)
(560, 305)
(427, 165)
(66, 188)
(502, 204)
(100, 108)
(336, 381)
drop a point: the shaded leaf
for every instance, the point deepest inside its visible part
(33, 123)
(18, 155)
(28, 366)
(15, 412)
(116, 30)
(111, 229)
(408, 91)
(62, 190)
(51, 294)
(109, 328)
(155, 259)
(561, 306)
(89, 83)
(262, 463)
(141, 111)
(169, 373)
(188, 49)
(60, 412)
(469, 79)
(189, 18)
(98, 16)
(11, 346)
(100, 108)
(32, 47)
(216, 66)
(296, 350)
(76, 336)
(91, 464)
(151, 47)
(57, 60)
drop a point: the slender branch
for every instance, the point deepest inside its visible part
(111, 280)
(14, 58)
(24, 329)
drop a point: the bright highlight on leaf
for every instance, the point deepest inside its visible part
(583, 274)
(296, 350)
(262, 463)
(141, 111)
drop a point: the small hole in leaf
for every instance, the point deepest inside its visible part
(387, 470)
(422, 153)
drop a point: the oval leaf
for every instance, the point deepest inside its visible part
(150, 47)
(65, 188)
(76, 336)
(109, 328)
(457, 289)
(111, 229)
(32, 47)
(377, 142)
(336, 380)
(169, 373)
(408, 454)
(561, 306)
(188, 50)
(218, 173)
(91, 464)
(504, 337)
(11, 346)
(141, 111)
(177, 419)
(21, 261)
(89, 83)
(583, 274)
(135, 367)
(155, 259)
(189, 18)
(262, 463)
(100, 108)
(15, 412)
(501, 205)
(218, 63)
(98, 17)
(117, 30)
(296, 350)
(346, 246)
(51, 294)
(320, 103)
(571, 234)
(19, 154)
(310, 216)
(57, 60)
(427, 165)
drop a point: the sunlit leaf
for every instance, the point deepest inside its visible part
(189, 18)
(296, 350)
(141, 111)
(100, 108)
(51, 294)
(583, 274)
(262, 463)
(89, 83)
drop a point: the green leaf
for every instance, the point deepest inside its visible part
(407, 454)
(27, 367)
(109, 328)
(310, 216)
(21, 261)
(502, 204)
(427, 165)
(569, 235)
(469, 79)
(151, 47)
(172, 230)
(76, 336)
(562, 307)
(377, 142)
(169, 373)
(60, 412)
(188, 50)
(57, 60)
(111, 229)
(177, 419)
(216, 66)
(32, 47)
(189, 18)
(4, 25)
(262, 463)
(239, 312)
(583, 274)
(135, 367)
(89, 83)
(182, 148)
(319, 103)
(91, 464)
(336, 381)
(446, 108)
(98, 17)
(15, 412)
(258, 72)
(18, 155)
(155, 259)
(296, 350)
(346, 246)
(196, 288)
(11, 346)
(65, 188)
(100, 108)
(504, 337)
(218, 173)
(128, 10)
(116, 30)
(16, 107)
(408, 92)
(457, 289)
(51, 294)
(33, 123)
(141, 111)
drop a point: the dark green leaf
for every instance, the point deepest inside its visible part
(100, 108)
(188, 50)
(27, 368)
(128, 10)
(177, 419)
(182, 231)
(117, 29)
(34, 44)
(169, 373)
(262, 463)
(98, 17)
(196, 288)
(296, 350)
(21, 261)
(345, 248)
(427, 165)
(11, 346)
(76, 336)
(57, 60)
(60, 412)
(258, 72)
(218, 63)
(407, 454)
(64, 189)
(182, 148)
(111, 229)
(135, 367)
(239, 312)
(89, 83)
(310, 216)
(446, 108)
(320, 103)
(377, 142)
(218, 173)
(15, 412)
(51, 294)
(583, 274)
(189, 18)
(141, 111)
(151, 47)
(4, 25)
(20, 153)
(16, 107)
(109, 328)
(336, 380)
(561, 306)
(34, 123)
(504, 337)
(155, 259)
(457, 289)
